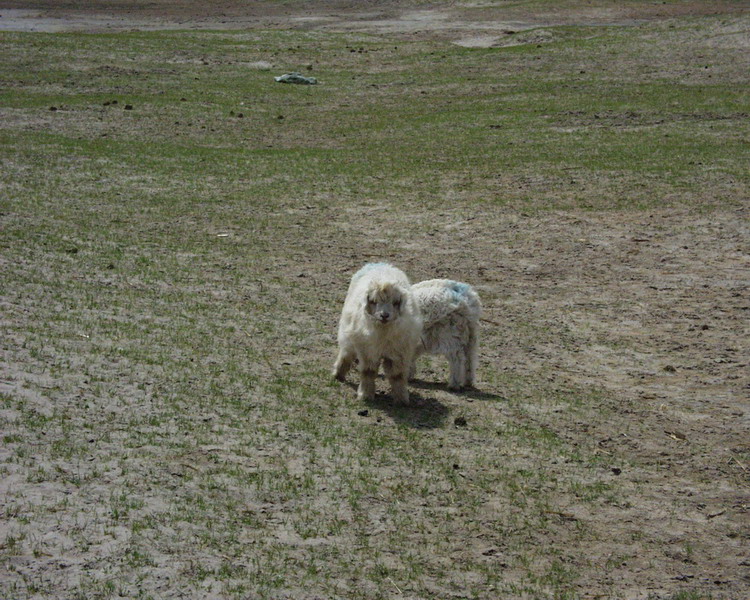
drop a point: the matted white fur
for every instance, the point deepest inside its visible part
(450, 314)
(380, 322)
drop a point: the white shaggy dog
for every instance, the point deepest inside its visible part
(450, 312)
(380, 322)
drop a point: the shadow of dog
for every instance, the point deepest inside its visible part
(471, 393)
(421, 412)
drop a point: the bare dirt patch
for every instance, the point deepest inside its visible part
(169, 427)
(470, 23)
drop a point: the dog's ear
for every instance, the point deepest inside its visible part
(399, 297)
(370, 301)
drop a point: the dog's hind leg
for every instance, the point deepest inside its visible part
(472, 348)
(457, 361)
(343, 364)
(413, 365)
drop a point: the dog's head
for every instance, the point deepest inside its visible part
(384, 302)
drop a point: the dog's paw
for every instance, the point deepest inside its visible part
(400, 397)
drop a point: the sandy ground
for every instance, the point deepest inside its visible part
(672, 286)
(472, 25)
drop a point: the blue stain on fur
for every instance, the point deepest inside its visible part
(459, 289)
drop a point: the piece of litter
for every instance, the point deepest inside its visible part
(296, 78)
(222, 235)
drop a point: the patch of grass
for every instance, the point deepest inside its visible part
(691, 595)
(490, 113)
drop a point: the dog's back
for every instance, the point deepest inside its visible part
(450, 314)
(440, 298)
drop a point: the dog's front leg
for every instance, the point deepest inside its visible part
(396, 371)
(367, 374)
(413, 365)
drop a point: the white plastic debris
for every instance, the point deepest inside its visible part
(296, 78)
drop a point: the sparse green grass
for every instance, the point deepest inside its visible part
(172, 275)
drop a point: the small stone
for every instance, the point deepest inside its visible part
(363, 413)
